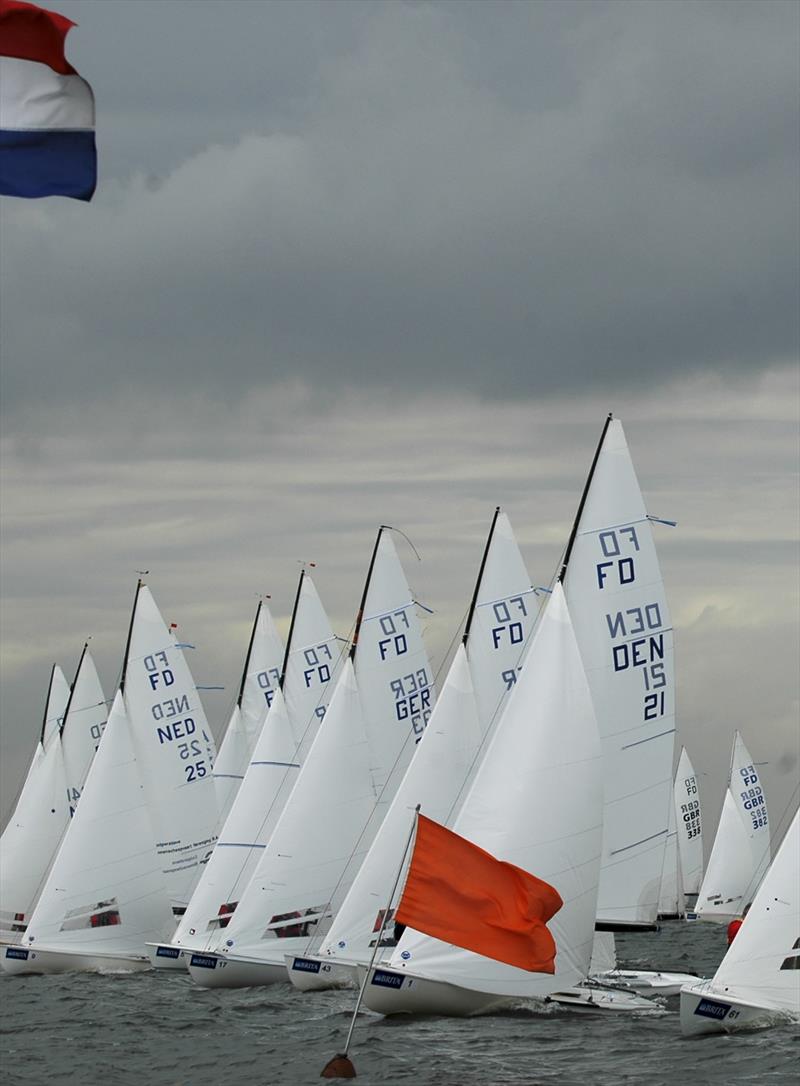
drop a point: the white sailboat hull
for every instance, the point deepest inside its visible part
(642, 982)
(166, 956)
(225, 971)
(704, 1011)
(318, 975)
(391, 992)
(590, 997)
(23, 961)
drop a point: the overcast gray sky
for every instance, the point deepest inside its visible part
(352, 263)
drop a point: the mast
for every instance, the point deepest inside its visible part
(474, 600)
(72, 688)
(291, 628)
(733, 755)
(249, 653)
(47, 702)
(579, 514)
(360, 614)
(139, 586)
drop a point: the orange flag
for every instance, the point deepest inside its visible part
(462, 895)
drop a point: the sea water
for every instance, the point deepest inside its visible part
(159, 1029)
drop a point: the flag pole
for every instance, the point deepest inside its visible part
(341, 1066)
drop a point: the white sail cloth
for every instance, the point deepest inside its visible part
(689, 823)
(38, 820)
(482, 673)
(315, 660)
(618, 606)
(741, 850)
(174, 748)
(83, 726)
(536, 801)
(670, 899)
(380, 706)
(758, 981)
(261, 678)
(105, 894)
(762, 965)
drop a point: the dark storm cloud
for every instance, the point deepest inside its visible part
(222, 505)
(514, 199)
(356, 263)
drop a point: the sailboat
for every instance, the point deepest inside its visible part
(106, 891)
(484, 669)
(617, 601)
(681, 853)
(380, 706)
(174, 747)
(683, 860)
(616, 597)
(310, 667)
(260, 679)
(39, 818)
(758, 980)
(535, 801)
(690, 831)
(84, 720)
(741, 850)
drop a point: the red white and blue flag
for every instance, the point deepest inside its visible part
(46, 110)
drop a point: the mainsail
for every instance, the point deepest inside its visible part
(618, 606)
(260, 679)
(271, 773)
(758, 981)
(174, 747)
(38, 821)
(484, 669)
(381, 704)
(741, 850)
(536, 802)
(688, 818)
(84, 721)
(105, 894)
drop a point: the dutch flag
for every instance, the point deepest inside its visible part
(46, 110)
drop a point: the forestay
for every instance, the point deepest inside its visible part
(741, 851)
(496, 637)
(105, 894)
(536, 802)
(616, 599)
(260, 680)
(174, 747)
(270, 775)
(38, 821)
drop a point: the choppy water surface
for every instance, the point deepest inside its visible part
(158, 1029)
